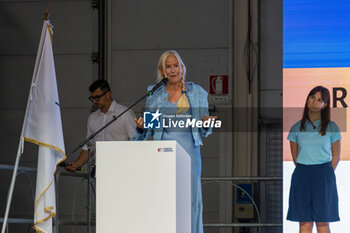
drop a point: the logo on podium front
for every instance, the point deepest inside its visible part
(151, 120)
(165, 149)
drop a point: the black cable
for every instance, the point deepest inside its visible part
(29, 227)
(29, 181)
(250, 197)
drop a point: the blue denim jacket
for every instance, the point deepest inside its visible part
(198, 99)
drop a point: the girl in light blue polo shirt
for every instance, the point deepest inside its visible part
(315, 148)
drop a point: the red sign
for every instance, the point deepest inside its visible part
(218, 84)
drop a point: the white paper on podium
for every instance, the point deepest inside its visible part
(143, 186)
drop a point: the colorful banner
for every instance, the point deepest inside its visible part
(298, 82)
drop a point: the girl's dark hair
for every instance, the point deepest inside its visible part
(325, 112)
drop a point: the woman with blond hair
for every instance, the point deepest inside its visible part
(181, 100)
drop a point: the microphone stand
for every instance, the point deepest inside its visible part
(155, 88)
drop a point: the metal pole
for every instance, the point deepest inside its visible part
(10, 167)
(57, 189)
(243, 178)
(243, 225)
(13, 181)
(89, 192)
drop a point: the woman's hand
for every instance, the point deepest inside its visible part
(205, 118)
(139, 122)
(336, 147)
(294, 151)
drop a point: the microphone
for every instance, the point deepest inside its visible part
(156, 87)
(64, 164)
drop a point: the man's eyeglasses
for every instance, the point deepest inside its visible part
(97, 98)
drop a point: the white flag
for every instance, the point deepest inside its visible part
(43, 127)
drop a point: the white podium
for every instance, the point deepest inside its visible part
(142, 187)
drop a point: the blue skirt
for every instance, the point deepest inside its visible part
(313, 194)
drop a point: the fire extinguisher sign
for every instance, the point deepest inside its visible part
(218, 88)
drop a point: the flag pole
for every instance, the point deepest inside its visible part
(47, 13)
(21, 140)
